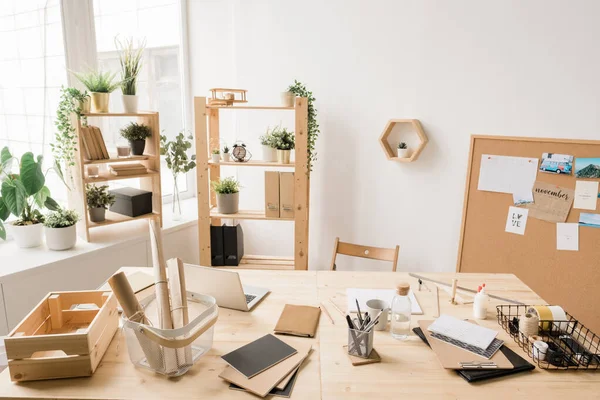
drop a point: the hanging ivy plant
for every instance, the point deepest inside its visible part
(299, 89)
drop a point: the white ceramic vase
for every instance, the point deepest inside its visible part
(61, 238)
(27, 236)
(226, 157)
(403, 153)
(216, 158)
(130, 103)
(269, 154)
(288, 99)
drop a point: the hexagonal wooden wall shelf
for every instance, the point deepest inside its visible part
(418, 130)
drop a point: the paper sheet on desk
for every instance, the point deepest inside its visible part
(363, 295)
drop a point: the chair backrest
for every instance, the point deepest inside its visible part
(356, 250)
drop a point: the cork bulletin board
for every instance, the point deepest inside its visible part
(570, 279)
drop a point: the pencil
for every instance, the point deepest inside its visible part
(337, 308)
(327, 313)
(437, 299)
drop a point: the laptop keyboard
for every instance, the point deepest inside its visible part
(249, 298)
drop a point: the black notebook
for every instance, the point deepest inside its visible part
(471, 375)
(255, 357)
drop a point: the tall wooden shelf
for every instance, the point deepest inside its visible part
(149, 181)
(206, 124)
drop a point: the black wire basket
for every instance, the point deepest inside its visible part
(571, 346)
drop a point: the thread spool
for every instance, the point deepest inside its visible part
(529, 324)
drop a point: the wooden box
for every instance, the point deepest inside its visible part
(272, 194)
(65, 336)
(286, 195)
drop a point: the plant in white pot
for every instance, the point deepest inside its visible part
(98, 200)
(403, 150)
(131, 64)
(60, 229)
(228, 195)
(24, 195)
(284, 141)
(269, 154)
(288, 98)
(226, 154)
(175, 153)
(100, 84)
(216, 155)
(136, 134)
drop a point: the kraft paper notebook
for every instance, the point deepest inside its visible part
(451, 356)
(298, 321)
(257, 356)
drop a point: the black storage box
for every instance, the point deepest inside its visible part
(131, 202)
(217, 253)
(233, 244)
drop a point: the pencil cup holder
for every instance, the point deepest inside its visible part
(360, 343)
(172, 352)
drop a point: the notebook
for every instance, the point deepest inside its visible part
(285, 392)
(364, 295)
(259, 355)
(298, 320)
(472, 375)
(463, 331)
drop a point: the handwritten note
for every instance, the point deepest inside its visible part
(567, 236)
(550, 202)
(586, 195)
(516, 220)
(505, 174)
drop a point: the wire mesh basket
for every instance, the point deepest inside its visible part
(570, 345)
(172, 352)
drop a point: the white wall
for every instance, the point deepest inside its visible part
(462, 67)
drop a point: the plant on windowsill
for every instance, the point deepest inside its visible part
(98, 200)
(228, 195)
(299, 89)
(284, 141)
(216, 155)
(175, 152)
(268, 149)
(24, 195)
(131, 64)
(100, 84)
(136, 134)
(403, 151)
(226, 154)
(60, 229)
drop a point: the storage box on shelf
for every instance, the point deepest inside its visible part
(207, 131)
(149, 179)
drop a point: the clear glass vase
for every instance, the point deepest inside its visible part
(176, 205)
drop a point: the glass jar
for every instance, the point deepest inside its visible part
(401, 313)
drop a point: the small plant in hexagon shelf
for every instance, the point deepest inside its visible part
(403, 151)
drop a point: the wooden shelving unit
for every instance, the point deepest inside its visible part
(206, 123)
(149, 181)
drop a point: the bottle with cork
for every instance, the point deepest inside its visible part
(480, 303)
(401, 310)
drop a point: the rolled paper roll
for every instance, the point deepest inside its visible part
(528, 324)
(539, 350)
(559, 316)
(544, 314)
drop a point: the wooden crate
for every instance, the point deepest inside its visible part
(61, 338)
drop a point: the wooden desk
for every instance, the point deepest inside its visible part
(409, 368)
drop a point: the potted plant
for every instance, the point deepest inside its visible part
(228, 195)
(300, 90)
(98, 200)
(288, 98)
(24, 195)
(101, 85)
(284, 142)
(178, 162)
(60, 229)
(136, 134)
(131, 64)
(216, 155)
(268, 149)
(403, 151)
(226, 154)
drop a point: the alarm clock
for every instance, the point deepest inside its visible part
(240, 153)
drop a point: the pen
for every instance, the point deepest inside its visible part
(359, 313)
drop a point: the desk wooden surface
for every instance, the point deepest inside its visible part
(408, 368)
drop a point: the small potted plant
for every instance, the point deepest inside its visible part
(268, 149)
(288, 98)
(60, 229)
(136, 134)
(175, 154)
(131, 64)
(403, 151)
(216, 155)
(101, 85)
(226, 154)
(98, 200)
(228, 195)
(284, 142)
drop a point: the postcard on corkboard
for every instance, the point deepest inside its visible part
(550, 202)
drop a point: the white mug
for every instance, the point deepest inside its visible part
(374, 306)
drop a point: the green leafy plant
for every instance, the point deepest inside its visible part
(299, 89)
(98, 196)
(99, 81)
(283, 139)
(216, 151)
(135, 131)
(61, 218)
(176, 153)
(402, 145)
(226, 185)
(131, 64)
(225, 149)
(23, 195)
(267, 138)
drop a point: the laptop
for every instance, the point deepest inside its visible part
(224, 286)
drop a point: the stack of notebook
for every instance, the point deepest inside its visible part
(266, 366)
(92, 143)
(128, 169)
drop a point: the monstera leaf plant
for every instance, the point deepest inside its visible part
(23, 195)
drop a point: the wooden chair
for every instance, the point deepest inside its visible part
(356, 250)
